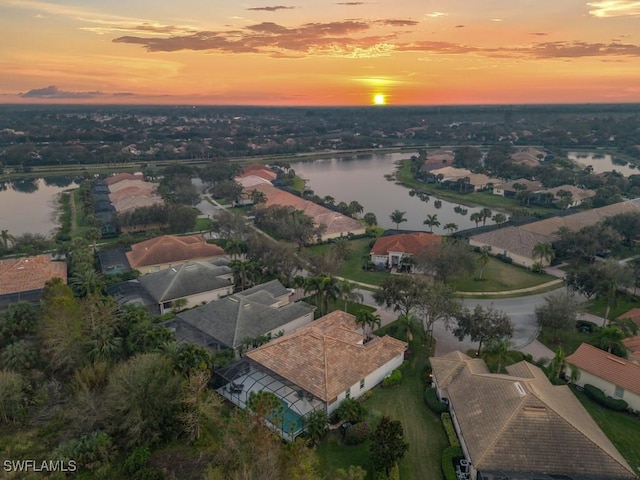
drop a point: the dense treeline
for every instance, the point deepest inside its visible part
(57, 135)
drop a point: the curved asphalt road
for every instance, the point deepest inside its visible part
(521, 310)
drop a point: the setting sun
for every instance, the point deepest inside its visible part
(379, 99)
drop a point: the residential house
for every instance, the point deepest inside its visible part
(316, 367)
(528, 156)
(518, 242)
(170, 250)
(238, 321)
(436, 160)
(617, 377)
(578, 195)
(508, 190)
(196, 283)
(520, 426)
(515, 242)
(389, 251)
(336, 223)
(22, 279)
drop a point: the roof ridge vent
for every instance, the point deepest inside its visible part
(617, 360)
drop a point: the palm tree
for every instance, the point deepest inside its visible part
(85, 282)
(609, 339)
(355, 209)
(325, 289)
(316, 424)
(409, 323)
(6, 238)
(543, 251)
(486, 213)
(245, 272)
(498, 348)
(398, 217)
(432, 221)
(233, 247)
(367, 318)
(370, 219)
(476, 217)
(483, 259)
(349, 293)
(257, 197)
(450, 227)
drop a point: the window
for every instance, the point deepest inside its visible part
(619, 393)
(361, 384)
(347, 393)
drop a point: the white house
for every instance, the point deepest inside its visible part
(617, 377)
(315, 367)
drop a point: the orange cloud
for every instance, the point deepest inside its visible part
(614, 8)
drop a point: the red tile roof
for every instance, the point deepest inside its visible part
(171, 248)
(633, 314)
(258, 170)
(29, 273)
(327, 356)
(607, 366)
(123, 176)
(410, 243)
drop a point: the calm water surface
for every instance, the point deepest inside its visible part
(25, 210)
(361, 178)
(601, 163)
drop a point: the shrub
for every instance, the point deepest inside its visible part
(392, 380)
(585, 326)
(351, 411)
(357, 434)
(449, 455)
(426, 374)
(447, 423)
(598, 396)
(504, 258)
(432, 400)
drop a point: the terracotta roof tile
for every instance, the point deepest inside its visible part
(171, 248)
(607, 366)
(327, 356)
(411, 243)
(29, 273)
(335, 221)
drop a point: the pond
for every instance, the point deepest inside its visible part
(602, 162)
(31, 205)
(362, 178)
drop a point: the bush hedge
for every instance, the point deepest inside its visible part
(434, 403)
(392, 380)
(449, 455)
(357, 434)
(447, 423)
(504, 258)
(598, 396)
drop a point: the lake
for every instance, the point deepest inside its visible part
(362, 178)
(30, 205)
(601, 163)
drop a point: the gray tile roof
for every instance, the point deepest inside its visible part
(185, 280)
(524, 423)
(232, 319)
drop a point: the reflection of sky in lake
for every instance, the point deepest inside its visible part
(362, 179)
(22, 212)
(602, 163)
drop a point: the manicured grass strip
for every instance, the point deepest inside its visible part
(624, 303)
(623, 429)
(499, 276)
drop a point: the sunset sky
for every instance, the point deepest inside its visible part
(319, 52)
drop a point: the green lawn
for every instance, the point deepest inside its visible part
(498, 276)
(423, 429)
(352, 268)
(622, 429)
(569, 340)
(625, 302)
(203, 225)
